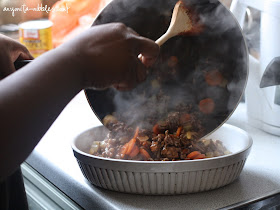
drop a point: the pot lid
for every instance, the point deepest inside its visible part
(191, 71)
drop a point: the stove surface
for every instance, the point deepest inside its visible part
(268, 202)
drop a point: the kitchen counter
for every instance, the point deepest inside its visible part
(54, 159)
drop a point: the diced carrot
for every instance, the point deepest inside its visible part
(156, 129)
(179, 130)
(136, 133)
(144, 153)
(201, 156)
(134, 151)
(213, 77)
(124, 150)
(207, 105)
(130, 146)
(193, 154)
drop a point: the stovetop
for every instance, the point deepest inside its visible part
(269, 202)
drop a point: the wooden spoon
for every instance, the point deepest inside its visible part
(182, 22)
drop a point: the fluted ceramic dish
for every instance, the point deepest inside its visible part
(164, 177)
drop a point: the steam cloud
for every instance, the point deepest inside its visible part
(220, 46)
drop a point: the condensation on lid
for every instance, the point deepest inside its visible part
(36, 24)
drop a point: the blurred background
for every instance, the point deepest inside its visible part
(81, 14)
(69, 17)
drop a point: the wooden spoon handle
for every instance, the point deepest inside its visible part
(161, 40)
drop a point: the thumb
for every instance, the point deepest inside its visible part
(23, 54)
(148, 49)
(135, 75)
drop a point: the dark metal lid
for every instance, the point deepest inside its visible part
(220, 47)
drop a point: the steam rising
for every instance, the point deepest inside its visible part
(220, 46)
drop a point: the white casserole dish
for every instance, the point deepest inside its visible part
(164, 177)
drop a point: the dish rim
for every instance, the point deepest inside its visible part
(223, 157)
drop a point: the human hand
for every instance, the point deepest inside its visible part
(11, 50)
(107, 55)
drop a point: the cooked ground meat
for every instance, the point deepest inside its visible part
(170, 152)
(176, 140)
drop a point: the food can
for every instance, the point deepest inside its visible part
(36, 35)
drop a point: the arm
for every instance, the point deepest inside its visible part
(32, 98)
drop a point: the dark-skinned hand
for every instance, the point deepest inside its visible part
(11, 50)
(108, 54)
